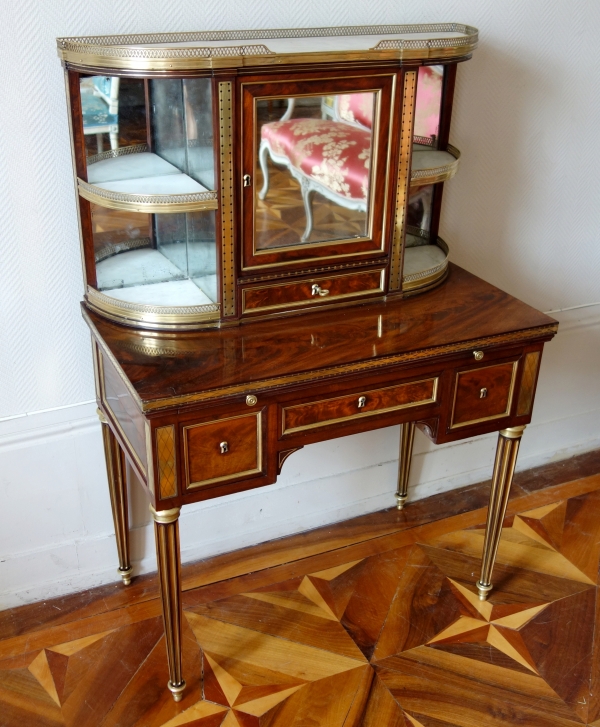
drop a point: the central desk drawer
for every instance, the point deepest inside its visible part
(314, 291)
(355, 406)
(222, 450)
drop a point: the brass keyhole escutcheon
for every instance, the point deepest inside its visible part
(247, 180)
(362, 400)
(318, 290)
(478, 355)
(483, 393)
(224, 447)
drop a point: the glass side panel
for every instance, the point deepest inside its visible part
(114, 113)
(419, 213)
(428, 105)
(172, 153)
(167, 259)
(313, 169)
(182, 125)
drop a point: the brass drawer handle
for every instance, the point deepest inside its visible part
(224, 447)
(483, 393)
(318, 290)
(251, 400)
(362, 400)
(478, 355)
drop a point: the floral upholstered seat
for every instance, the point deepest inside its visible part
(325, 156)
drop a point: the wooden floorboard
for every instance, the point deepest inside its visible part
(374, 621)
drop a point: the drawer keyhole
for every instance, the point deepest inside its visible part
(247, 180)
(483, 393)
(362, 400)
(318, 290)
(224, 447)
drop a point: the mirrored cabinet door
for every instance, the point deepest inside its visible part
(315, 166)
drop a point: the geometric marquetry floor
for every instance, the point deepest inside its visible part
(374, 622)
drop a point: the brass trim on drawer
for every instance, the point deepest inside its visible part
(360, 415)
(314, 300)
(234, 475)
(511, 392)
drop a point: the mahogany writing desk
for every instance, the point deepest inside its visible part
(208, 413)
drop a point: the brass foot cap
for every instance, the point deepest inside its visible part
(177, 691)
(400, 501)
(484, 591)
(125, 574)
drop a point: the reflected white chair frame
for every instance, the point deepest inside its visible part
(112, 101)
(308, 185)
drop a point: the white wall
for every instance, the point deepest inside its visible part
(522, 213)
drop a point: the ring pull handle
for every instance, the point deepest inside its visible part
(224, 447)
(318, 290)
(483, 393)
(362, 400)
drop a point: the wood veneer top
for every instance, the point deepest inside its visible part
(463, 310)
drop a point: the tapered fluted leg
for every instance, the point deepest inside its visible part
(166, 531)
(504, 467)
(117, 485)
(407, 436)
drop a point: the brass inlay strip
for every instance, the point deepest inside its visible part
(233, 475)
(406, 142)
(530, 369)
(360, 415)
(505, 413)
(165, 453)
(313, 300)
(128, 51)
(148, 203)
(227, 221)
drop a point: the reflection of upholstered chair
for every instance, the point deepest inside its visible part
(331, 157)
(427, 108)
(352, 108)
(100, 108)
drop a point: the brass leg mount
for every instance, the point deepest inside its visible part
(166, 530)
(504, 468)
(407, 436)
(116, 470)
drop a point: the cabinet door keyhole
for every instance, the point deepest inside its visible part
(224, 447)
(483, 393)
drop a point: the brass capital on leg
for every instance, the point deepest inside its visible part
(504, 468)
(407, 436)
(166, 531)
(116, 470)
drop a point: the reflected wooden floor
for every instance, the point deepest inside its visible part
(372, 622)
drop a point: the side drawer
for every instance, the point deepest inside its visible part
(221, 450)
(314, 291)
(483, 393)
(301, 417)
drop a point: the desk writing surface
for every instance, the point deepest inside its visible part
(463, 310)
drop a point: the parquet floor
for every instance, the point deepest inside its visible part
(372, 622)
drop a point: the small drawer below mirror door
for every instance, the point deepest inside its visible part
(361, 404)
(482, 394)
(222, 450)
(314, 291)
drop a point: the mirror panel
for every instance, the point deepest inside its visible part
(166, 259)
(312, 178)
(428, 105)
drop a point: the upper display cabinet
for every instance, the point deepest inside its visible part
(229, 175)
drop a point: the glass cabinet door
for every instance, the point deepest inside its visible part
(151, 192)
(314, 161)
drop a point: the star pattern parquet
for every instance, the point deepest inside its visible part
(387, 632)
